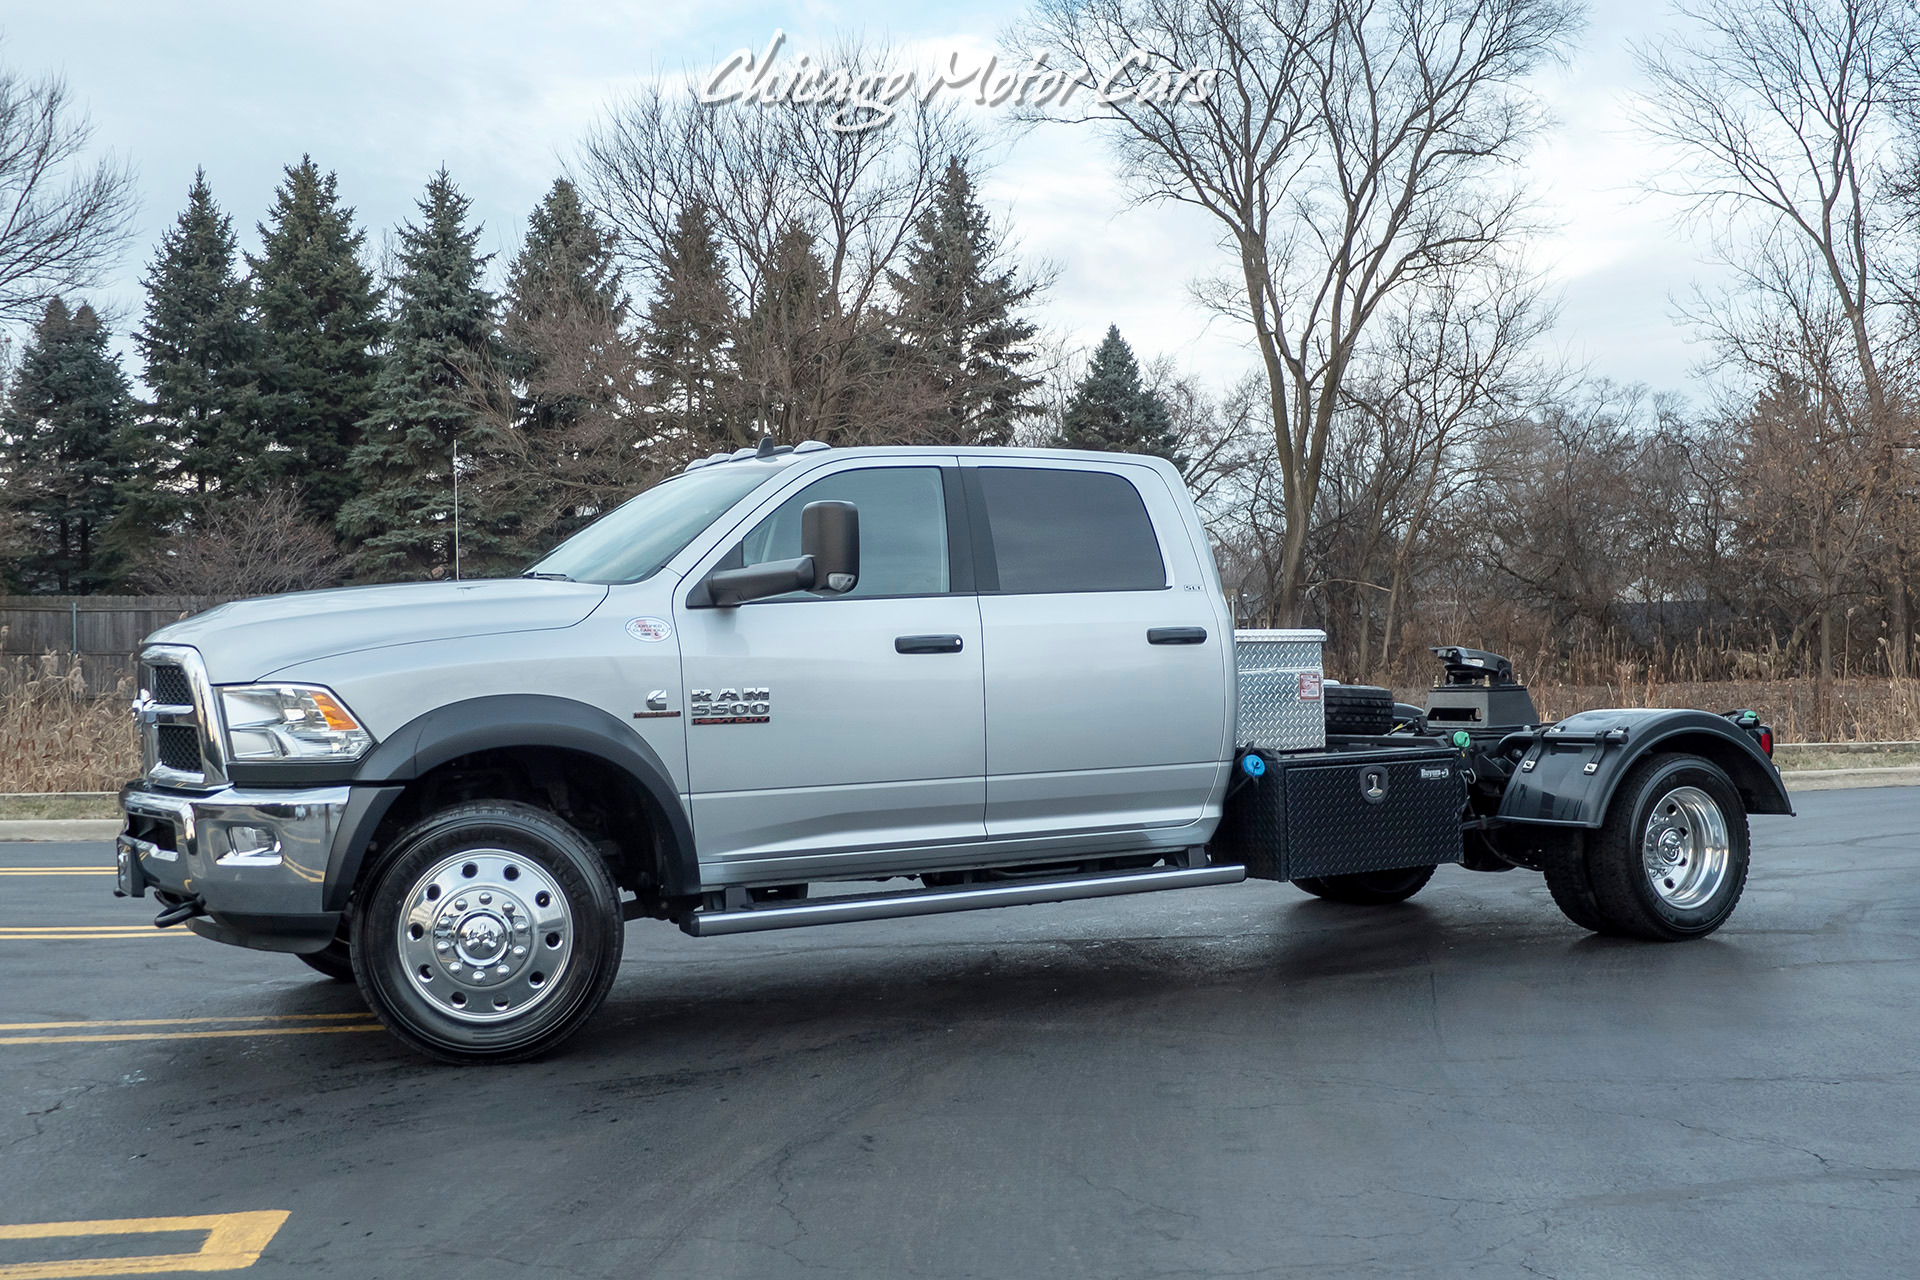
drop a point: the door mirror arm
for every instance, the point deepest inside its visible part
(729, 587)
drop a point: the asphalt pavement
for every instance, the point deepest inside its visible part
(1239, 1081)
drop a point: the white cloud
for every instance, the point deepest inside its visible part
(501, 92)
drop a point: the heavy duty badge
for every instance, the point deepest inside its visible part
(731, 706)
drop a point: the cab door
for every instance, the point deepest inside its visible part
(1106, 660)
(839, 734)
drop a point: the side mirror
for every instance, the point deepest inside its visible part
(830, 560)
(830, 537)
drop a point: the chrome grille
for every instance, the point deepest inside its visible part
(180, 750)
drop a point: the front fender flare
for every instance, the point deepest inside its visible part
(1558, 791)
(504, 721)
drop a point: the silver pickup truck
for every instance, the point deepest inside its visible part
(774, 689)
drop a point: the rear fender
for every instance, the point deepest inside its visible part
(1551, 786)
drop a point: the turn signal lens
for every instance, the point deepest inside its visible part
(330, 710)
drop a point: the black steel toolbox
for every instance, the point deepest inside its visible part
(1339, 812)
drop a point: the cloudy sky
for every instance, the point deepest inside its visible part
(500, 92)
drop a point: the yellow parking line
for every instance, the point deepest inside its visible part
(178, 1022)
(68, 928)
(234, 1242)
(91, 933)
(190, 1035)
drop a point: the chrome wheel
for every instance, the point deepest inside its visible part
(1685, 848)
(485, 935)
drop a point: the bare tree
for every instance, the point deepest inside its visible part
(1351, 150)
(256, 545)
(1784, 116)
(61, 222)
(1449, 363)
(791, 196)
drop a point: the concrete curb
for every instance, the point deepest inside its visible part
(59, 828)
(1841, 779)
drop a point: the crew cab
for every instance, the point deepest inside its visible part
(806, 685)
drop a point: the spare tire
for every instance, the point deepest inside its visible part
(1358, 709)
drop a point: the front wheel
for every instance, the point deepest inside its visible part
(1670, 861)
(1369, 888)
(490, 933)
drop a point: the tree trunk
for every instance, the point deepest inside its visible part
(1899, 621)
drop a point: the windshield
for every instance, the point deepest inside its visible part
(633, 540)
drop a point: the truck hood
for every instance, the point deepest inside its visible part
(251, 639)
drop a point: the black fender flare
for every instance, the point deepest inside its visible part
(1558, 791)
(502, 721)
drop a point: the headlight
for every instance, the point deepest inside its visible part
(290, 722)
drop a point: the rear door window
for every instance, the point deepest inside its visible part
(1057, 530)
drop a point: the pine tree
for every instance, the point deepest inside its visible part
(1113, 411)
(320, 324)
(68, 425)
(787, 346)
(687, 342)
(573, 370)
(441, 346)
(200, 349)
(958, 324)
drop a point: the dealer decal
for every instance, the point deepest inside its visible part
(731, 706)
(651, 630)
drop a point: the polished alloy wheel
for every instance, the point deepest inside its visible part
(1685, 848)
(486, 934)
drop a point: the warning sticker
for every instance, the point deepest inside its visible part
(649, 629)
(1309, 686)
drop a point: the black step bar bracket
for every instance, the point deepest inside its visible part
(892, 906)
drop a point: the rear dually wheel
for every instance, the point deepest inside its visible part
(1670, 861)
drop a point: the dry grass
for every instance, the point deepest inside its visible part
(59, 731)
(59, 805)
(1804, 710)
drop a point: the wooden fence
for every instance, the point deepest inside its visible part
(104, 630)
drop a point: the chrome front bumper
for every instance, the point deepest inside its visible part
(254, 858)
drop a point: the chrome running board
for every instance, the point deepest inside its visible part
(890, 906)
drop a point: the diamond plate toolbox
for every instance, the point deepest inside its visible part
(1345, 812)
(1281, 708)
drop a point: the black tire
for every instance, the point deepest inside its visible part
(1369, 888)
(1563, 860)
(336, 961)
(1357, 709)
(542, 899)
(1701, 866)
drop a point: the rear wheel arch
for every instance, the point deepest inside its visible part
(1759, 787)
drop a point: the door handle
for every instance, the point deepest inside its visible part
(927, 644)
(1177, 635)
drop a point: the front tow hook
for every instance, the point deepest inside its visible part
(180, 913)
